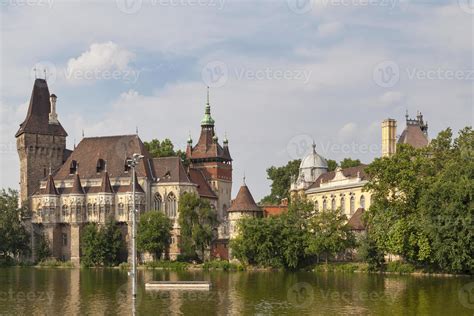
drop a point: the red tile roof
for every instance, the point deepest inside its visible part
(244, 201)
(203, 187)
(356, 221)
(169, 169)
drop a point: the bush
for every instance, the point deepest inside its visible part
(167, 265)
(337, 267)
(124, 266)
(399, 267)
(53, 263)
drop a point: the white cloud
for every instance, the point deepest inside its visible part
(329, 29)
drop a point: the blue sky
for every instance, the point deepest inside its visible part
(281, 72)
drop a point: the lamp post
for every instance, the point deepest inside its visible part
(132, 163)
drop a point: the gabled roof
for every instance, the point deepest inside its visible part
(77, 186)
(414, 136)
(352, 172)
(356, 221)
(244, 201)
(114, 150)
(169, 169)
(203, 187)
(37, 118)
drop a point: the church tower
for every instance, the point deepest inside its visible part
(213, 160)
(40, 140)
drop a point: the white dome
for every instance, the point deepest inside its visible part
(313, 160)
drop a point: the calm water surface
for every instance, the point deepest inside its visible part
(32, 291)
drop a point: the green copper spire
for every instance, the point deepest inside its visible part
(207, 120)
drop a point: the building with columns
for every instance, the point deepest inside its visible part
(66, 189)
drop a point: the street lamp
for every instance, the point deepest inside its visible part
(132, 163)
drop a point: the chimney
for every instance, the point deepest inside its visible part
(389, 139)
(53, 117)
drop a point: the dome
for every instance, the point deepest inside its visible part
(313, 160)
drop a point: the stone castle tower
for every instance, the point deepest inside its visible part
(214, 161)
(40, 141)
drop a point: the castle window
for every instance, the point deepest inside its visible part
(325, 206)
(120, 209)
(73, 167)
(333, 204)
(100, 165)
(343, 204)
(78, 212)
(125, 165)
(171, 206)
(107, 209)
(89, 210)
(94, 209)
(157, 202)
(64, 211)
(362, 201)
(352, 210)
(101, 211)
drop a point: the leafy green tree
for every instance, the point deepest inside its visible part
(14, 239)
(368, 251)
(332, 165)
(165, 148)
(43, 248)
(348, 163)
(101, 246)
(281, 178)
(329, 234)
(197, 220)
(154, 233)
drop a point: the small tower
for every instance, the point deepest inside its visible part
(40, 140)
(389, 138)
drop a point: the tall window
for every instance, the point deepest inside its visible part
(352, 205)
(79, 212)
(171, 206)
(157, 202)
(52, 211)
(325, 206)
(94, 210)
(89, 211)
(333, 204)
(73, 210)
(107, 209)
(64, 211)
(64, 238)
(362, 201)
(343, 204)
(120, 209)
(101, 211)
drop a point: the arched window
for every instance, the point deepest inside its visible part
(325, 206)
(107, 209)
(362, 202)
(171, 206)
(120, 209)
(333, 204)
(94, 210)
(78, 212)
(157, 201)
(101, 211)
(52, 211)
(64, 211)
(343, 204)
(73, 210)
(100, 166)
(352, 210)
(73, 167)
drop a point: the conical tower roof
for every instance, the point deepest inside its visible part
(77, 186)
(50, 187)
(244, 201)
(105, 186)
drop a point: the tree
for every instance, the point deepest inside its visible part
(101, 246)
(348, 163)
(329, 234)
(14, 239)
(164, 148)
(154, 233)
(332, 165)
(281, 178)
(198, 221)
(43, 248)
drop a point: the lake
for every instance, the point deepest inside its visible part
(43, 291)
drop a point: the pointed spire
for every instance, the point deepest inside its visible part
(314, 147)
(136, 130)
(190, 140)
(50, 186)
(82, 133)
(106, 186)
(244, 179)
(207, 119)
(226, 141)
(77, 186)
(244, 202)
(207, 95)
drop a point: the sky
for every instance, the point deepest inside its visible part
(281, 73)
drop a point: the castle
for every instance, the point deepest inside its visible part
(67, 189)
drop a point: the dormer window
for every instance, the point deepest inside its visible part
(126, 167)
(100, 165)
(73, 167)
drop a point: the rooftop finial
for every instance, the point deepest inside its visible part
(190, 140)
(74, 143)
(45, 73)
(244, 179)
(406, 114)
(207, 95)
(314, 147)
(82, 133)
(36, 74)
(136, 130)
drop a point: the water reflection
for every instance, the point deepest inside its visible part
(33, 291)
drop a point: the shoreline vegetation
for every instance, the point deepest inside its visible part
(390, 268)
